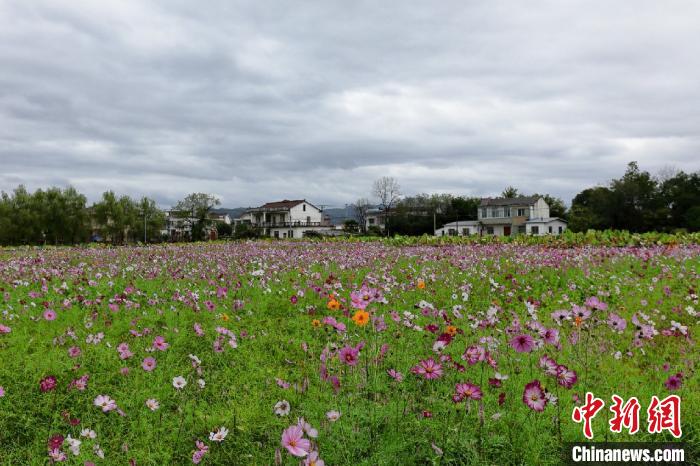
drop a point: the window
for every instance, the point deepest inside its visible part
(506, 211)
(521, 229)
(465, 231)
(453, 232)
(290, 234)
(489, 230)
(308, 220)
(483, 212)
(370, 220)
(535, 230)
(561, 229)
(521, 212)
(549, 229)
(276, 234)
(303, 207)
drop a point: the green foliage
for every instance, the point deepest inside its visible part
(195, 210)
(639, 202)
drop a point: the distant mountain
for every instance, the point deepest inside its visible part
(233, 213)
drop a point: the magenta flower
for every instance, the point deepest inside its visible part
(674, 382)
(523, 343)
(474, 354)
(533, 396)
(617, 323)
(566, 377)
(295, 443)
(50, 314)
(74, 351)
(2, 391)
(428, 368)
(148, 364)
(293, 299)
(349, 355)
(548, 365)
(594, 303)
(47, 384)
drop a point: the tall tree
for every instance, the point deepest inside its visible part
(194, 209)
(150, 217)
(360, 208)
(387, 190)
(510, 192)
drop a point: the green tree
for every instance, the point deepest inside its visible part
(510, 192)
(195, 210)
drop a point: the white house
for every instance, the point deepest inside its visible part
(459, 228)
(286, 219)
(375, 218)
(510, 216)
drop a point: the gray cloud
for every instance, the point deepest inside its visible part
(256, 101)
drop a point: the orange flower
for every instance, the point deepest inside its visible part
(578, 321)
(225, 317)
(451, 330)
(361, 318)
(315, 323)
(333, 304)
(421, 284)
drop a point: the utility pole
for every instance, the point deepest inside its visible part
(144, 227)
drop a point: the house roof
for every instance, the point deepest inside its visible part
(285, 204)
(546, 220)
(505, 201)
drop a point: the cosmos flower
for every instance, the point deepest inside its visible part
(105, 403)
(522, 343)
(179, 382)
(50, 314)
(566, 377)
(47, 384)
(396, 375)
(534, 396)
(674, 382)
(152, 404)
(467, 391)
(428, 368)
(333, 415)
(218, 435)
(295, 443)
(148, 364)
(349, 355)
(282, 408)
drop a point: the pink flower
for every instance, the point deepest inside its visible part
(464, 391)
(566, 377)
(349, 355)
(160, 344)
(428, 368)
(106, 403)
(394, 374)
(2, 391)
(50, 314)
(533, 396)
(5, 329)
(548, 365)
(74, 351)
(314, 460)
(148, 364)
(522, 343)
(293, 441)
(198, 329)
(474, 354)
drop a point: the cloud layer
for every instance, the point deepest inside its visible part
(257, 101)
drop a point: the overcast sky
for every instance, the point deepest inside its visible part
(259, 100)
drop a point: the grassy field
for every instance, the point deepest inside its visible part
(391, 354)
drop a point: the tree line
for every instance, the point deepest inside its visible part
(636, 202)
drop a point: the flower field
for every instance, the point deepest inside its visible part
(340, 352)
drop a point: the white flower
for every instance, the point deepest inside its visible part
(73, 445)
(179, 382)
(333, 415)
(282, 408)
(500, 376)
(219, 435)
(152, 404)
(201, 383)
(88, 433)
(98, 451)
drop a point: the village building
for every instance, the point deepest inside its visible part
(286, 219)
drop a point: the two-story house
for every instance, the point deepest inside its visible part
(286, 219)
(518, 215)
